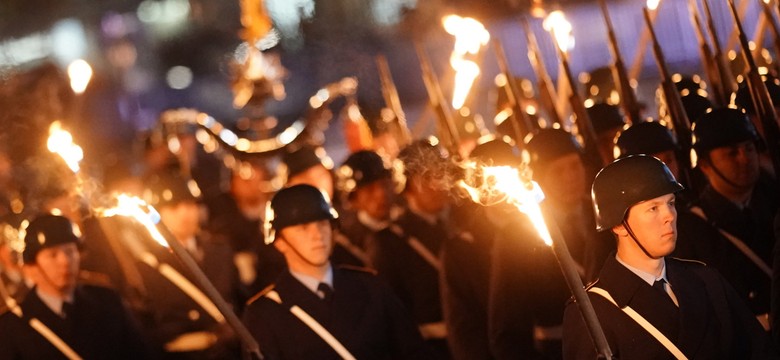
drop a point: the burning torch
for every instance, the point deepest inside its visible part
(636, 66)
(505, 183)
(710, 65)
(543, 82)
(560, 29)
(521, 124)
(446, 128)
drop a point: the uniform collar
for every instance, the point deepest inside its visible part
(370, 222)
(313, 283)
(646, 276)
(54, 302)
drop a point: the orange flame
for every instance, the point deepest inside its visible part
(61, 143)
(560, 28)
(470, 36)
(653, 4)
(505, 183)
(145, 214)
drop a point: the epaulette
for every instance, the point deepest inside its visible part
(360, 269)
(587, 287)
(92, 278)
(260, 294)
(689, 261)
(396, 229)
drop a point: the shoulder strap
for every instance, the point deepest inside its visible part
(738, 243)
(657, 334)
(314, 326)
(424, 252)
(357, 252)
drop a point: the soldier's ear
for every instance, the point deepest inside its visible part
(620, 231)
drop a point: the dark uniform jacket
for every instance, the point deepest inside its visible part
(414, 280)
(97, 328)
(712, 322)
(363, 315)
(754, 226)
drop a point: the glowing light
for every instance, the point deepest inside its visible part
(560, 28)
(470, 36)
(504, 183)
(145, 214)
(653, 4)
(179, 77)
(79, 73)
(61, 143)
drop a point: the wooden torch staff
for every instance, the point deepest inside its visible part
(543, 82)
(759, 95)
(583, 122)
(393, 101)
(719, 94)
(627, 97)
(521, 124)
(770, 20)
(679, 119)
(446, 128)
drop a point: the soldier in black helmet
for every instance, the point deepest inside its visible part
(556, 159)
(78, 320)
(368, 186)
(652, 306)
(607, 121)
(316, 310)
(740, 200)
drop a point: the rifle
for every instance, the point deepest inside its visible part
(446, 125)
(719, 94)
(762, 102)
(393, 101)
(627, 97)
(543, 82)
(679, 119)
(724, 73)
(521, 124)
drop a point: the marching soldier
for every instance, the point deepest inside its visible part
(61, 318)
(317, 311)
(183, 326)
(407, 253)
(740, 201)
(607, 121)
(368, 187)
(650, 305)
(308, 165)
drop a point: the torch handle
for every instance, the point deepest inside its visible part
(574, 281)
(251, 347)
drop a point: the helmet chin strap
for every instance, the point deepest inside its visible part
(633, 237)
(723, 177)
(299, 253)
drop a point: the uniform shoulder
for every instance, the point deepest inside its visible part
(687, 262)
(357, 269)
(589, 286)
(260, 294)
(95, 279)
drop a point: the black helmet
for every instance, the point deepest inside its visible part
(627, 182)
(303, 158)
(742, 99)
(550, 144)
(299, 204)
(695, 106)
(47, 231)
(605, 117)
(721, 127)
(649, 137)
(170, 188)
(360, 169)
(496, 152)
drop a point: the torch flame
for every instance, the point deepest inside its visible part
(145, 214)
(504, 183)
(61, 143)
(79, 73)
(470, 36)
(653, 4)
(560, 28)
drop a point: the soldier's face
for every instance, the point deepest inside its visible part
(737, 163)
(563, 179)
(182, 219)
(306, 244)
(375, 199)
(317, 176)
(56, 268)
(654, 223)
